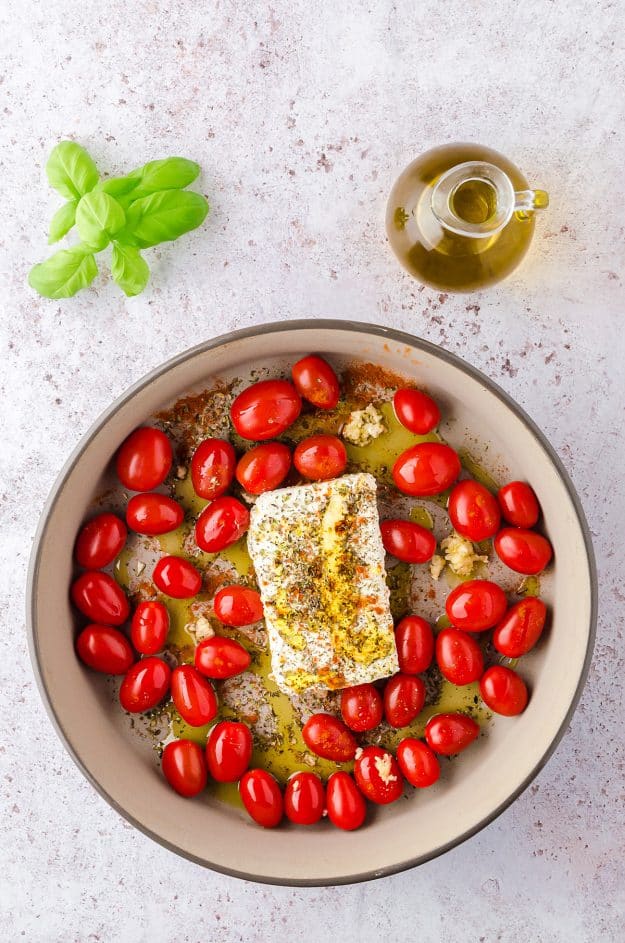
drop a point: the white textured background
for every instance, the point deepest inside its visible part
(301, 115)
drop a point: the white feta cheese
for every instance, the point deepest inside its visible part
(363, 426)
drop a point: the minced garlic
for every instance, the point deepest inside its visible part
(363, 426)
(437, 565)
(200, 628)
(383, 765)
(460, 554)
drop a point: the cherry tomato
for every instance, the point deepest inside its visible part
(414, 640)
(193, 696)
(519, 504)
(459, 657)
(177, 577)
(521, 627)
(98, 597)
(265, 410)
(212, 468)
(524, 551)
(361, 707)
(408, 541)
(328, 736)
(105, 649)
(220, 524)
(476, 605)
(219, 657)
(228, 751)
(238, 605)
(264, 467)
(144, 685)
(304, 798)
(184, 767)
(416, 411)
(473, 510)
(149, 627)
(450, 733)
(404, 697)
(320, 457)
(418, 763)
(153, 514)
(345, 803)
(144, 459)
(316, 381)
(378, 776)
(261, 797)
(99, 541)
(503, 691)
(426, 468)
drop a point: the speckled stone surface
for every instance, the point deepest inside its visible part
(301, 115)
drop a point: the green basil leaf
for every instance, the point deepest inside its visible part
(162, 217)
(64, 273)
(172, 173)
(71, 171)
(119, 187)
(129, 269)
(98, 217)
(62, 221)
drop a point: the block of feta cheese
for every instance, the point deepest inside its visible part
(319, 561)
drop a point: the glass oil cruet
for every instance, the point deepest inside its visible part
(461, 217)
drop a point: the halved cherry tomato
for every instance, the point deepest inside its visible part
(304, 798)
(105, 649)
(212, 468)
(459, 657)
(144, 685)
(408, 541)
(238, 605)
(473, 510)
(193, 696)
(149, 627)
(316, 381)
(521, 627)
(414, 640)
(262, 797)
(404, 697)
(503, 691)
(361, 707)
(264, 467)
(229, 751)
(144, 459)
(418, 763)
(153, 514)
(219, 657)
(328, 736)
(220, 524)
(378, 776)
(519, 504)
(476, 605)
(98, 597)
(320, 457)
(177, 577)
(524, 551)
(416, 411)
(426, 468)
(345, 802)
(99, 541)
(265, 410)
(450, 733)
(184, 767)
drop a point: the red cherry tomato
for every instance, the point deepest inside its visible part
(99, 541)
(416, 411)
(238, 605)
(404, 697)
(219, 657)
(408, 541)
(414, 640)
(418, 763)
(316, 381)
(328, 736)
(361, 707)
(426, 468)
(144, 685)
(149, 627)
(459, 657)
(177, 577)
(476, 605)
(144, 459)
(320, 457)
(519, 504)
(378, 776)
(524, 551)
(98, 597)
(193, 696)
(184, 767)
(503, 691)
(345, 803)
(473, 510)
(264, 467)
(262, 797)
(220, 524)
(153, 514)
(265, 410)
(212, 468)
(229, 751)
(521, 627)
(304, 798)
(105, 649)
(450, 733)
